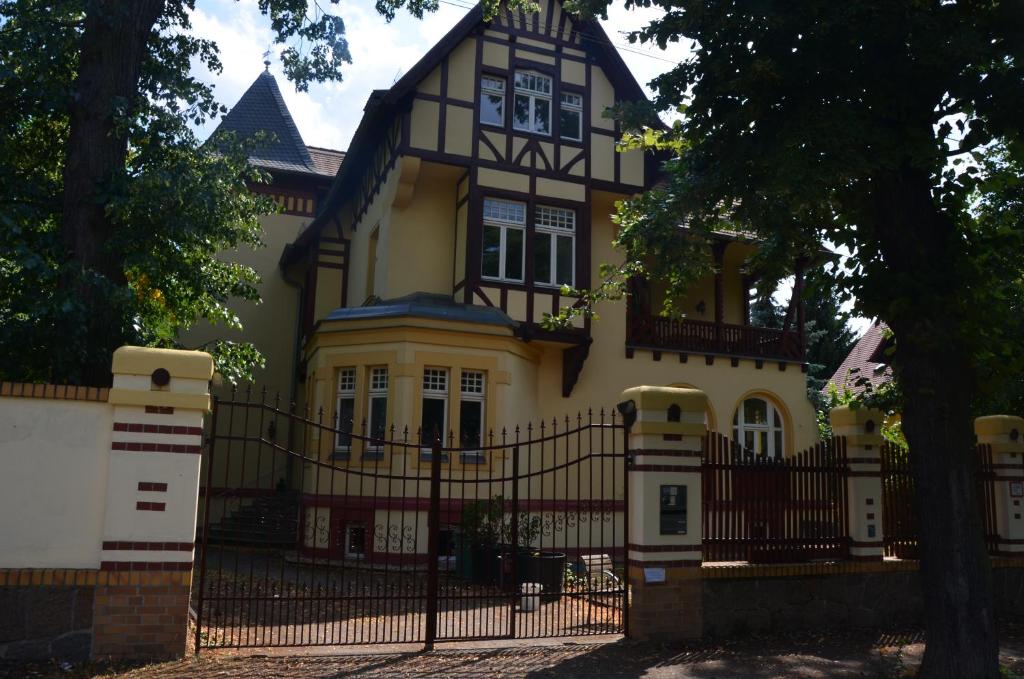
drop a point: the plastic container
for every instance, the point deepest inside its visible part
(531, 596)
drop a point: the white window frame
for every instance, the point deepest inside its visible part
(346, 390)
(473, 390)
(430, 376)
(576, 106)
(741, 426)
(378, 388)
(534, 95)
(553, 230)
(505, 224)
(494, 86)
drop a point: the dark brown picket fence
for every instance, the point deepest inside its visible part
(765, 509)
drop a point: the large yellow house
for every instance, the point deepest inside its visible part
(411, 293)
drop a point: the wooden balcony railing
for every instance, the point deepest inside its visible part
(707, 337)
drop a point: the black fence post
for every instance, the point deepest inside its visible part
(433, 533)
(205, 537)
(514, 539)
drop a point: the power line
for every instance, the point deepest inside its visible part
(545, 28)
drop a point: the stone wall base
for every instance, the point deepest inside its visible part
(142, 614)
(41, 621)
(665, 611)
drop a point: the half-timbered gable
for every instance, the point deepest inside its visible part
(475, 189)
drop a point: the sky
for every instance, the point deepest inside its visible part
(327, 115)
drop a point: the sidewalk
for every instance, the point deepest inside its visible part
(859, 654)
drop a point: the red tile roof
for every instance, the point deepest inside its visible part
(865, 361)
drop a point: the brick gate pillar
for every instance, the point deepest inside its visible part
(862, 429)
(1005, 434)
(159, 398)
(664, 551)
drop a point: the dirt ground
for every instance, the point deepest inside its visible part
(856, 654)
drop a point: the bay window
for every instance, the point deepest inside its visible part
(434, 420)
(554, 247)
(503, 239)
(471, 416)
(531, 111)
(344, 410)
(570, 121)
(377, 407)
(492, 101)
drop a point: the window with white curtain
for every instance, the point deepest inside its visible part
(757, 426)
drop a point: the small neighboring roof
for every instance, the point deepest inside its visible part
(326, 161)
(424, 305)
(866, 361)
(262, 109)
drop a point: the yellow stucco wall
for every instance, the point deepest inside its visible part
(271, 324)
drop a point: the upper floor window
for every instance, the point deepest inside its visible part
(757, 426)
(532, 109)
(554, 250)
(570, 122)
(504, 229)
(345, 409)
(492, 101)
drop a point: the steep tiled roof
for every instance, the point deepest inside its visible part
(326, 161)
(262, 108)
(865, 360)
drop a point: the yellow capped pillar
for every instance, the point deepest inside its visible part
(862, 429)
(1005, 435)
(664, 550)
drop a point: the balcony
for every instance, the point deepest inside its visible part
(648, 331)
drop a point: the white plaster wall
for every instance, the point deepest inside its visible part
(54, 455)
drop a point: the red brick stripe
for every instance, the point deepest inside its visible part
(145, 565)
(118, 546)
(155, 447)
(663, 468)
(675, 563)
(160, 410)
(150, 506)
(664, 548)
(139, 428)
(153, 486)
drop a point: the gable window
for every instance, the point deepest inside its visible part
(492, 101)
(570, 122)
(435, 407)
(345, 409)
(378, 410)
(504, 234)
(554, 251)
(532, 109)
(757, 426)
(471, 416)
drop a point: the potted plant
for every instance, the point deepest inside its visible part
(482, 526)
(535, 565)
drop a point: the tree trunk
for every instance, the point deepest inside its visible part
(113, 46)
(935, 370)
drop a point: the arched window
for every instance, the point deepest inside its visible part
(757, 426)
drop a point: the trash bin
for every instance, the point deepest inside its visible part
(531, 596)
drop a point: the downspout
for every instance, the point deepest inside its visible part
(296, 352)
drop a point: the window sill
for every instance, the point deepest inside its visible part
(472, 458)
(428, 456)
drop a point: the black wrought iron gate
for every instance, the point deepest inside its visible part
(312, 534)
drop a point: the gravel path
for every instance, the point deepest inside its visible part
(856, 654)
